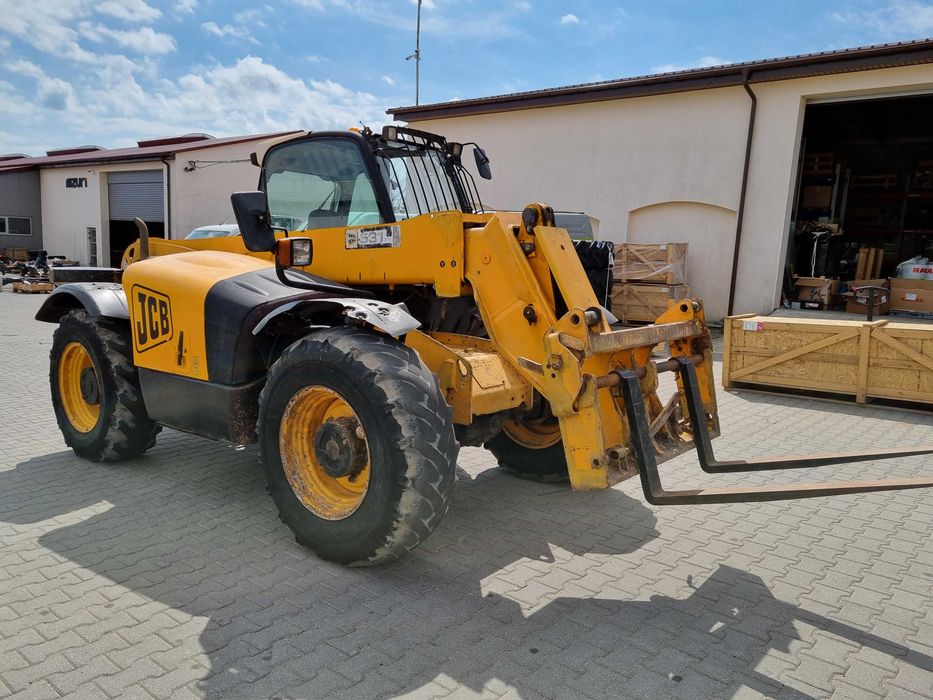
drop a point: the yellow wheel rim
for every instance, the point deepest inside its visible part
(79, 387)
(324, 452)
(536, 436)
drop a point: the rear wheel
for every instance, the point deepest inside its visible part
(531, 448)
(95, 390)
(358, 445)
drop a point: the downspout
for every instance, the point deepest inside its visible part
(740, 214)
(168, 198)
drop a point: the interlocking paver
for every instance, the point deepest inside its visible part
(171, 576)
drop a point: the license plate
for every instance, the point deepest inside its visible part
(381, 237)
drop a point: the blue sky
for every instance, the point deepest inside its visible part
(111, 72)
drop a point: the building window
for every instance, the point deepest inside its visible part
(15, 225)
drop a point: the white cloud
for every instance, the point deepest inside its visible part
(226, 30)
(705, 62)
(44, 26)
(523, 5)
(129, 10)
(249, 17)
(892, 19)
(143, 40)
(116, 105)
(52, 93)
(184, 7)
(388, 80)
(446, 20)
(570, 19)
(315, 58)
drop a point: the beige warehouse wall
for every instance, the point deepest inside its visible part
(708, 229)
(619, 161)
(202, 196)
(613, 159)
(67, 212)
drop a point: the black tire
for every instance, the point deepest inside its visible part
(409, 434)
(544, 463)
(123, 428)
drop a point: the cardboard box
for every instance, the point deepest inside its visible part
(858, 303)
(661, 263)
(816, 290)
(817, 196)
(912, 295)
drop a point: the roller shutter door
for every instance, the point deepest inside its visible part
(136, 193)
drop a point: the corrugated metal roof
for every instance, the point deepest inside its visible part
(111, 155)
(784, 68)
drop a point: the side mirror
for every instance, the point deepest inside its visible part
(251, 212)
(482, 163)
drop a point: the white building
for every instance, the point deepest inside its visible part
(714, 157)
(89, 195)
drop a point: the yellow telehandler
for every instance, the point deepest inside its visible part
(372, 318)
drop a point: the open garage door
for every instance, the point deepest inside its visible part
(131, 194)
(864, 201)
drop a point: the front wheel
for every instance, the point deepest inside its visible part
(358, 445)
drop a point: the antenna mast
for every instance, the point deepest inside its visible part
(417, 56)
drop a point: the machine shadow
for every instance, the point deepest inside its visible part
(483, 601)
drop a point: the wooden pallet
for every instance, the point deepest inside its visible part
(863, 359)
(33, 287)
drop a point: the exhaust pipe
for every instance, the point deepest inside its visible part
(143, 238)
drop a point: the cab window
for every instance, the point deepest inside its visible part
(319, 183)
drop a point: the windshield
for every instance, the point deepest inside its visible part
(418, 180)
(210, 233)
(319, 183)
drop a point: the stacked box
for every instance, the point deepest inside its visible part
(660, 263)
(645, 302)
(646, 277)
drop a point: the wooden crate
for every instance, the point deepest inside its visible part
(644, 302)
(28, 287)
(663, 263)
(880, 359)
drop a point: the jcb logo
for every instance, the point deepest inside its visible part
(152, 318)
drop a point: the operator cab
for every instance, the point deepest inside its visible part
(345, 179)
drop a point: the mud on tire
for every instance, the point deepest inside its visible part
(123, 428)
(409, 436)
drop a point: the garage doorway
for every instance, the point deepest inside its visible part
(865, 183)
(130, 194)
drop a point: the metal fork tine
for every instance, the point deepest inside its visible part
(711, 465)
(656, 494)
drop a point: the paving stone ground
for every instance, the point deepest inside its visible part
(170, 575)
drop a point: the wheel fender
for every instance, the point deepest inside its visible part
(97, 298)
(393, 319)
